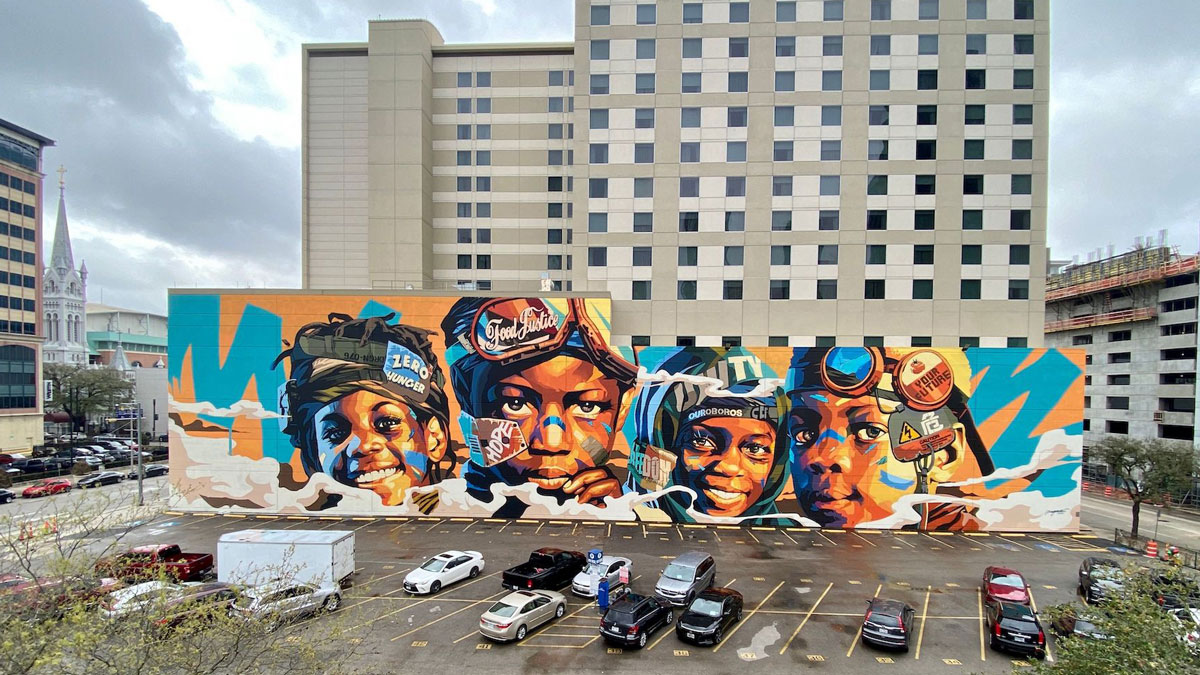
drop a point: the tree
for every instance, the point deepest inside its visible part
(55, 624)
(80, 391)
(1142, 637)
(1148, 467)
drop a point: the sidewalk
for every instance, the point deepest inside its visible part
(1174, 526)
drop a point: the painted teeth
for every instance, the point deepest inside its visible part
(372, 476)
(725, 495)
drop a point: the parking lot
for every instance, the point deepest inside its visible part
(805, 592)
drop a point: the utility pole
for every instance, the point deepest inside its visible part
(138, 444)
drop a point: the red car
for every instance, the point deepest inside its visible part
(49, 486)
(1001, 584)
(148, 562)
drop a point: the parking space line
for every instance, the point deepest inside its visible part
(979, 608)
(756, 539)
(806, 618)
(940, 541)
(471, 524)
(439, 522)
(751, 614)
(864, 538)
(924, 620)
(450, 614)
(506, 525)
(1008, 539)
(784, 533)
(822, 535)
(858, 633)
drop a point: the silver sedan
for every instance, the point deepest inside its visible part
(517, 613)
(282, 601)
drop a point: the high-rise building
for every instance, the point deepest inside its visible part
(757, 172)
(1135, 314)
(20, 300)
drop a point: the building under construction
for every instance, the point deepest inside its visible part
(1135, 314)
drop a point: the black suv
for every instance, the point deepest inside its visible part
(633, 618)
(713, 611)
(1014, 628)
(1098, 577)
(888, 623)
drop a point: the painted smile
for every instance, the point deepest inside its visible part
(372, 476)
(550, 479)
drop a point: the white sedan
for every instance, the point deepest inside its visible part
(609, 567)
(443, 569)
(142, 596)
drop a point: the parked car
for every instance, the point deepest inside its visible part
(47, 597)
(1189, 627)
(281, 601)
(1079, 623)
(1001, 584)
(149, 471)
(48, 486)
(631, 620)
(7, 496)
(92, 461)
(444, 569)
(137, 597)
(712, 612)
(1014, 627)
(1098, 577)
(1172, 589)
(35, 465)
(686, 576)
(198, 603)
(157, 560)
(546, 568)
(97, 479)
(887, 623)
(514, 615)
(584, 584)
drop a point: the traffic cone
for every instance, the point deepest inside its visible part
(1107, 490)
(50, 526)
(1152, 549)
(25, 532)
(1086, 486)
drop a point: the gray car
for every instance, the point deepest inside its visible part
(519, 612)
(686, 576)
(281, 601)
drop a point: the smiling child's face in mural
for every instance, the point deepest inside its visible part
(845, 472)
(727, 461)
(377, 443)
(564, 406)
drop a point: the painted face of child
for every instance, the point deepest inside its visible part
(727, 460)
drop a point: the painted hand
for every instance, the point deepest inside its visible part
(593, 485)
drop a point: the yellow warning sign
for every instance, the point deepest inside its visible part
(908, 433)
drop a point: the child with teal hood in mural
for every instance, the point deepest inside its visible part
(543, 397)
(709, 420)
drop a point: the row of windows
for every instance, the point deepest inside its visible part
(16, 183)
(17, 327)
(16, 255)
(482, 210)
(826, 289)
(785, 46)
(832, 10)
(483, 235)
(26, 233)
(831, 151)
(964, 342)
(14, 206)
(785, 116)
(1179, 305)
(15, 279)
(26, 304)
(781, 221)
(785, 81)
(482, 78)
(827, 254)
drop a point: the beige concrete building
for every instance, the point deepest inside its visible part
(730, 172)
(20, 287)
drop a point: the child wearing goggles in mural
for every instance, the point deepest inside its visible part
(543, 396)
(870, 426)
(698, 426)
(365, 405)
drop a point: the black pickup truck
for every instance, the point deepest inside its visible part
(547, 568)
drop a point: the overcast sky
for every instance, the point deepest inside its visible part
(179, 123)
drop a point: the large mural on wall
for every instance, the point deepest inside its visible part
(334, 404)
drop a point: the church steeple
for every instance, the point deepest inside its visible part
(60, 256)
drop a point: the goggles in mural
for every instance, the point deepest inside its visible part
(507, 330)
(918, 388)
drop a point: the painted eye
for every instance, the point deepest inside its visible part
(702, 441)
(868, 433)
(804, 437)
(514, 405)
(389, 424)
(756, 451)
(335, 434)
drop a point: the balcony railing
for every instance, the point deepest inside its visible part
(1107, 318)
(1063, 286)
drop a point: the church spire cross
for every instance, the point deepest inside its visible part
(61, 182)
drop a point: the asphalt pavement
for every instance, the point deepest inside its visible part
(1166, 525)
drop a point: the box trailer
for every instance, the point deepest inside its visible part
(253, 557)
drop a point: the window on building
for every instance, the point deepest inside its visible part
(976, 43)
(780, 289)
(735, 186)
(781, 221)
(878, 80)
(692, 48)
(693, 12)
(873, 289)
(922, 254)
(927, 115)
(734, 255)
(599, 50)
(926, 184)
(735, 221)
(922, 289)
(832, 10)
(739, 47)
(643, 221)
(640, 290)
(831, 115)
(1023, 78)
(785, 11)
(598, 153)
(597, 222)
(1018, 254)
(831, 151)
(739, 12)
(877, 185)
(927, 44)
(689, 152)
(781, 254)
(1116, 402)
(689, 118)
(738, 82)
(831, 45)
(1022, 184)
(826, 289)
(781, 186)
(643, 118)
(974, 114)
(927, 79)
(969, 289)
(1022, 113)
(927, 10)
(689, 186)
(831, 80)
(877, 115)
(881, 45)
(877, 219)
(876, 254)
(644, 48)
(643, 83)
(972, 184)
(785, 81)
(827, 254)
(1119, 357)
(927, 149)
(685, 290)
(689, 221)
(1018, 289)
(599, 85)
(828, 220)
(881, 10)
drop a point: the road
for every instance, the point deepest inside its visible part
(1174, 527)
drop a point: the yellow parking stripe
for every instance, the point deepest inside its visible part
(979, 606)
(806, 618)
(924, 620)
(858, 633)
(752, 612)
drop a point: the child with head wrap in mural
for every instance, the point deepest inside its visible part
(872, 425)
(365, 405)
(699, 427)
(543, 397)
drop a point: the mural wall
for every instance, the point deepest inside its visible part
(522, 407)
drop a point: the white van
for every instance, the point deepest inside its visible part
(254, 557)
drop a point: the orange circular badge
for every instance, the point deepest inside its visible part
(924, 380)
